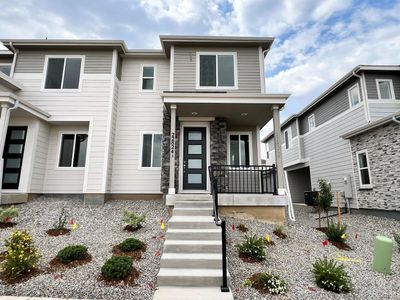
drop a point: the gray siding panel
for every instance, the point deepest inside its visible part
(248, 66)
(370, 81)
(293, 127)
(329, 108)
(378, 109)
(32, 61)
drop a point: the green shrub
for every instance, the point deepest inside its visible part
(117, 267)
(132, 219)
(21, 255)
(331, 276)
(336, 233)
(397, 240)
(324, 199)
(131, 244)
(272, 283)
(252, 247)
(61, 223)
(6, 214)
(70, 253)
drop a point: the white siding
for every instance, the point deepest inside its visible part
(114, 115)
(137, 112)
(329, 155)
(379, 109)
(62, 180)
(291, 154)
(40, 157)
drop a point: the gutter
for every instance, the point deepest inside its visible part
(14, 59)
(364, 95)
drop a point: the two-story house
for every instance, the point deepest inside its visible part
(97, 119)
(329, 139)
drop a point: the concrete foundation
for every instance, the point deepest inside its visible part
(268, 214)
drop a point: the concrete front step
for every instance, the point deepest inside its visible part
(193, 204)
(192, 222)
(192, 246)
(194, 234)
(193, 197)
(192, 260)
(189, 277)
(191, 293)
(193, 211)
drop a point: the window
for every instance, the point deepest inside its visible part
(287, 135)
(148, 78)
(385, 89)
(73, 150)
(6, 69)
(151, 150)
(363, 169)
(267, 148)
(239, 149)
(354, 95)
(216, 70)
(63, 73)
(311, 122)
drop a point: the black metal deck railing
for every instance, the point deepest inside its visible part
(240, 180)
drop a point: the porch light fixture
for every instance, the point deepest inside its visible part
(194, 113)
(243, 114)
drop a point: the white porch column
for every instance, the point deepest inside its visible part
(171, 189)
(4, 117)
(278, 148)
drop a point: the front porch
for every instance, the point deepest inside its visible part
(222, 131)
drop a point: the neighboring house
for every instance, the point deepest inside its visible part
(97, 119)
(313, 147)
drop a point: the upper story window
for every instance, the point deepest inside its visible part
(216, 70)
(6, 69)
(385, 89)
(287, 135)
(354, 95)
(63, 73)
(151, 150)
(73, 150)
(147, 82)
(363, 169)
(311, 122)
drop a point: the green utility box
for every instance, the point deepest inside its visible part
(382, 254)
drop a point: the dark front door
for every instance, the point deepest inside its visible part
(194, 158)
(12, 155)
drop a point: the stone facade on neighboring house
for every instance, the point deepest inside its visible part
(383, 148)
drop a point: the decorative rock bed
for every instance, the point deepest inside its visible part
(99, 229)
(292, 258)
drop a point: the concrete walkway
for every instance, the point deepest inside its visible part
(191, 293)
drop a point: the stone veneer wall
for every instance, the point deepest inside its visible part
(383, 146)
(218, 142)
(166, 152)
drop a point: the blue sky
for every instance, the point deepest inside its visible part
(316, 42)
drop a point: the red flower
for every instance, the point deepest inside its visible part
(357, 237)
(8, 219)
(233, 227)
(325, 243)
(158, 253)
(72, 222)
(312, 289)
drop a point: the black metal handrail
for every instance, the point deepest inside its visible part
(251, 179)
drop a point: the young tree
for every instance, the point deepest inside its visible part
(325, 198)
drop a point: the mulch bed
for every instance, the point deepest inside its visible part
(56, 264)
(322, 229)
(130, 280)
(23, 278)
(280, 235)
(249, 259)
(256, 283)
(242, 228)
(131, 229)
(7, 224)
(270, 243)
(57, 232)
(341, 246)
(136, 254)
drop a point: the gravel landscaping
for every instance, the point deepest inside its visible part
(97, 228)
(292, 258)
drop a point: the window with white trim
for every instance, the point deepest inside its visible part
(354, 95)
(151, 150)
(287, 136)
(311, 122)
(385, 89)
(73, 150)
(63, 73)
(148, 78)
(6, 69)
(364, 171)
(239, 149)
(216, 70)
(267, 148)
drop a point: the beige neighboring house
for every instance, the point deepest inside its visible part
(96, 119)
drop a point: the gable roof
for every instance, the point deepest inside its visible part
(348, 76)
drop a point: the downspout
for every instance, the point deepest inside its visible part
(395, 120)
(364, 96)
(2, 142)
(264, 54)
(14, 59)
